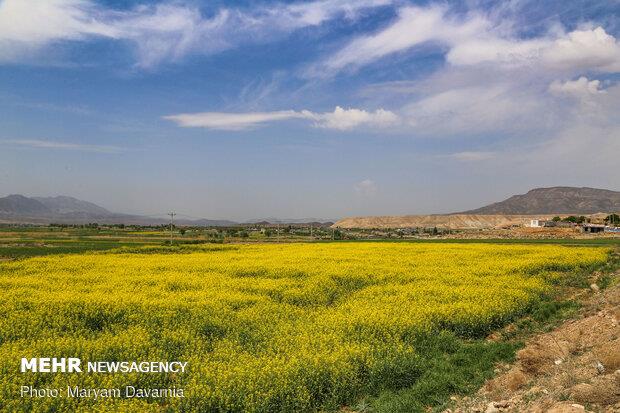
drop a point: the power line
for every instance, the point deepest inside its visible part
(171, 214)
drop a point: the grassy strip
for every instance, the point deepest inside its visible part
(25, 251)
(452, 365)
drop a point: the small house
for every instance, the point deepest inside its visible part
(593, 228)
(537, 223)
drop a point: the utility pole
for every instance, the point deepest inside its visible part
(172, 214)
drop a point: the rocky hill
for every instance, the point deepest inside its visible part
(555, 200)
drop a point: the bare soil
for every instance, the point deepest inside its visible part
(440, 221)
(462, 222)
(574, 368)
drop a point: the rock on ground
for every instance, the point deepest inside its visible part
(574, 368)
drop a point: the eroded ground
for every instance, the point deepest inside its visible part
(574, 368)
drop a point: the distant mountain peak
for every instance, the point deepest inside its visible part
(555, 200)
(16, 197)
(59, 197)
(19, 204)
(66, 209)
(62, 204)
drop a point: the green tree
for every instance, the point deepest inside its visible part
(337, 234)
(613, 219)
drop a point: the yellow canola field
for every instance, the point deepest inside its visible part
(293, 327)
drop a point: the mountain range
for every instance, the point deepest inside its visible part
(555, 200)
(68, 210)
(561, 200)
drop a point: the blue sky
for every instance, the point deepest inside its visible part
(325, 109)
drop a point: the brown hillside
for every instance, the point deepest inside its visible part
(555, 200)
(456, 221)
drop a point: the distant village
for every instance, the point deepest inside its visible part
(591, 224)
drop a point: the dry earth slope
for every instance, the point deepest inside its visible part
(572, 369)
(456, 221)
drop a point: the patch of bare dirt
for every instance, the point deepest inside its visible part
(574, 368)
(439, 221)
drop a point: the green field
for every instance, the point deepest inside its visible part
(20, 241)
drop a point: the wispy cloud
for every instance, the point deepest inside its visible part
(340, 119)
(588, 49)
(231, 121)
(346, 119)
(45, 144)
(494, 80)
(475, 39)
(582, 87)
(367, 187)
(412, 27)
(163, 32)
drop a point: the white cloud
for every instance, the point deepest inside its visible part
(45, 144)
(492, 49)
(41, 21)
(584, 102)
(304, 14)
(584, 49)
(340, 119)
(493, 82)
(231, 121)
(475, 39)
(367, 187)
(170, 32)
(591, 49)
(159, 33)
(346, 119)
(579, 88)
(27, 26)
(414, 26)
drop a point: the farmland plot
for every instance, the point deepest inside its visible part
(295, 327)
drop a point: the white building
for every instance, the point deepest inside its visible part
(537, 223)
